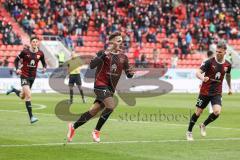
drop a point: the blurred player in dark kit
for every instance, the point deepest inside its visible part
(29, 58)
(214, 70)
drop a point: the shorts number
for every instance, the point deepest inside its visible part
(24, 81)
(199, 102)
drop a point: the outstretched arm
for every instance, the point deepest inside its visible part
(44, 64)
(16, 62)
(228, 78)
(42, 59)
(203, 69)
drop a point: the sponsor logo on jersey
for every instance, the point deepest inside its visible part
(32, 64)
(114, 68)
(217, 75)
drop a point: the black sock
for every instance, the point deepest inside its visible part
(212, 117)
(104, 116)
(71, 95)
(81, 91)
(17, 92)
(192, 122)
(83, 119)
(29, 108)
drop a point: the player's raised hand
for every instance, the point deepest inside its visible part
(18, 72)
(205, 79)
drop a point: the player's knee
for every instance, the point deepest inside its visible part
(93, 111)
(28, 97)
(217, 112)
(22, 95)
(95, 108)
(199, 112)
(111, 107)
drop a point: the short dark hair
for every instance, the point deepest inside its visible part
(33, 37)
(113, 35)
(209, 53)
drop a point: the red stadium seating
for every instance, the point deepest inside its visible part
(92, 41)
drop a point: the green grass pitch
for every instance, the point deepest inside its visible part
(154, 129)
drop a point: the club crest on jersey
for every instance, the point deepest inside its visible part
(121, 60)
(225, 69)
(38, 56)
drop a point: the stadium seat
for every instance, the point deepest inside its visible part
(3, 47)
(92, 42)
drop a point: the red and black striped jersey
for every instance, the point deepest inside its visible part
(109, 69)
(216, 72)
(30, 62)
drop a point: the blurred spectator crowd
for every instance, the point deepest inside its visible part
(4, 62)
(194, 26)
(8, 36)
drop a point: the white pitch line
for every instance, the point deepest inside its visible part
(145, 122)
(23, 112)
(39, 106)
(117, 142)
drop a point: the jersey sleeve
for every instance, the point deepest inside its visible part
(17, 59)
(229, 69)
(205, 65)
(42, 59)
(21, 55)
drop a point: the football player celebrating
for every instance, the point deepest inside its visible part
(214, 70)
(29, 57)
(109, 65)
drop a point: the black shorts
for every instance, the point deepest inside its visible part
(27, 81)
(203, 100)
(102, 94)
(74, 78)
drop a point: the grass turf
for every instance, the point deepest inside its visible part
(153, 129)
